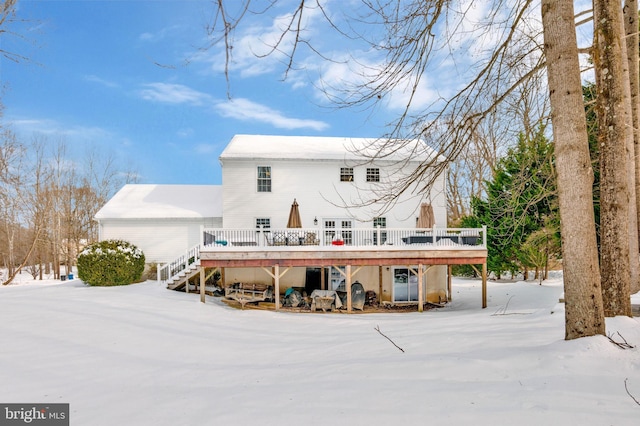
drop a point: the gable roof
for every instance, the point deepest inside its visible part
(322, 148)
(136, 201)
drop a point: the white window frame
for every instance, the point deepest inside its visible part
(264, 183)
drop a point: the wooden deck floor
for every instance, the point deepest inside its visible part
(314, 256)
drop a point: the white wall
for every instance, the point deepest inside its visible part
(161, 240)
(316, 186)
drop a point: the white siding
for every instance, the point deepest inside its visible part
(317, 188)
(161, 240)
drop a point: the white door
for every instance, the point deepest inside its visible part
(338, 230)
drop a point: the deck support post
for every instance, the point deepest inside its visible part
(276, 276)
(380, 287)
(202, 284)
(420, 288)
(348, 285)
(449, 278)
(484, 285)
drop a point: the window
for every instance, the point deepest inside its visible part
(263, 223)
(346, 174)
(340, 229)
(373, 175)
(347, 233)
(264, 179)
(405, 285)
(329, 231)
(379, 222)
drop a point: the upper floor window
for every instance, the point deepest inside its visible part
(346, 174)
(264, 179)
(373, 175)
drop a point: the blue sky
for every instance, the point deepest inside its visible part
(127, 78)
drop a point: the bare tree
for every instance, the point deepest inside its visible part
(413, 34)
(521, 114)
(617, 195)
(11, 163)
(7, 18)
(584, 314)
(630, 15)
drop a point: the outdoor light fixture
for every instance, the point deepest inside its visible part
(315, 220)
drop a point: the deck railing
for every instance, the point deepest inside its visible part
(436, 237)
(263, 239)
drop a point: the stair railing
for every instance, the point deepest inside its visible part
(171, 270)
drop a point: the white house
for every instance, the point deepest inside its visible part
(347, 231)
(333, 180)
(162, 220)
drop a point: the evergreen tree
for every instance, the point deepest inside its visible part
(521, 200)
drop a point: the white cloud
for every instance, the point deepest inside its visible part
(184, 132)
(246, 110)
(95, 79)
(253, 50)
(346, 77)
(173, 94)
(158, 35)
(343, 68)
(206, 149)
(49, 127)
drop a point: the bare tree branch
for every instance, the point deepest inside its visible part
(377, 328)
(629, 393)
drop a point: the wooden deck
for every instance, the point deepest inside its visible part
(276, 261)
(275, 251)
(317, 256)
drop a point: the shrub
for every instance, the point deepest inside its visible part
(110, 262)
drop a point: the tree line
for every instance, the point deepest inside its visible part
(48, 201)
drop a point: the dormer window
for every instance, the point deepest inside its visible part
(346, 174)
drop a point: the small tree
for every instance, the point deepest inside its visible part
(539, 248)
(110, 262)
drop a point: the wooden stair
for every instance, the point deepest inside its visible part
(176, 274)
(179, 281)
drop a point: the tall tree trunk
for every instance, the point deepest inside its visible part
(630, 16)
(614, 137)
(583, 297)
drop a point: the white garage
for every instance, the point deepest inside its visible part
(164, 221)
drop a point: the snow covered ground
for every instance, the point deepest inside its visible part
(144, 355)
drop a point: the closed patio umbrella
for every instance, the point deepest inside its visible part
(294, 216)
(426, 219)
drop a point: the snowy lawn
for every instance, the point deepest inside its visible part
(144, 355)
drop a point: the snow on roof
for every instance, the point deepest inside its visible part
(163, 201)
(321, 148)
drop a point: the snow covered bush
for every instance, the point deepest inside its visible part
(110, 262)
